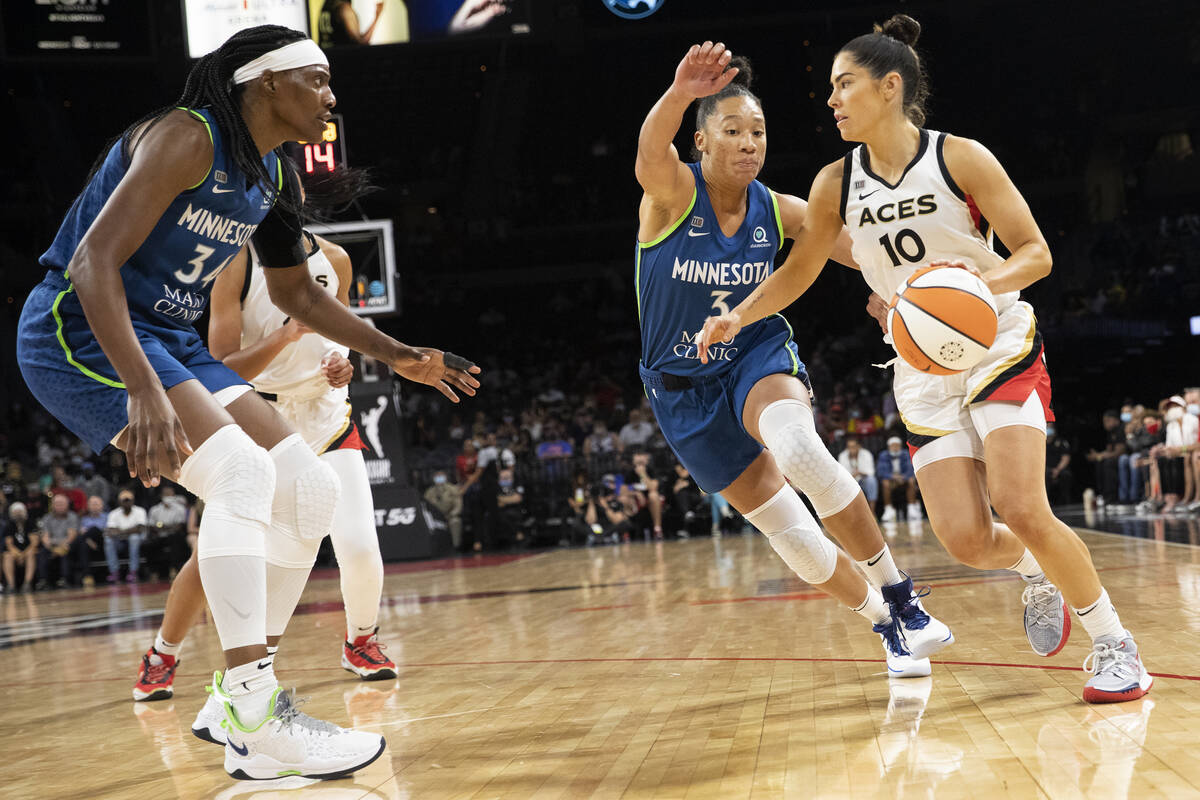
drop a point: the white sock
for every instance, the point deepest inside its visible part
(874, 608)
(1100, 618)
(250, 687)
(1028, 567)
(881, 568)
(357, 633)
(163, 647)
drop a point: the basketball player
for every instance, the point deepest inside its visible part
(106, 344)
(304, 377)
(708, 233)
(912, 197)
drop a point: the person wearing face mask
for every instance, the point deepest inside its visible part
(1058, 466)
(1175, 454)
(446, 498)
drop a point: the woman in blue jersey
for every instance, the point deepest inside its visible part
(979, 436)
(106, 344)
(708, 234)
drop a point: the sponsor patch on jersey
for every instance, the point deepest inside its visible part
(220, 177)
(697, 222)
(760, 237)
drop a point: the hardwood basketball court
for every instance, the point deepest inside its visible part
(694, 669)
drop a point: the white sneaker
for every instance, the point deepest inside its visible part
(900, 662)
(208, 722)
(920, 633)
(914, 512)
(889, 514)
(1118, 673)
(290, 743)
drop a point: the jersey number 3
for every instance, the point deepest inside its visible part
(907, 244)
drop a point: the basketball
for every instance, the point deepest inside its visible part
(942, 320)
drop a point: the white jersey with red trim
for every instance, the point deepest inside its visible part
(296, 371)
(898, 228)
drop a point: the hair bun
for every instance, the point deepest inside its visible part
(745, 74)
(902, 28)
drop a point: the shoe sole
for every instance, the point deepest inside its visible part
(381, 674)
(242, 775)
(1065, 635)
(1097, 696)
(933, 647)
(157, 694)
(203, 735)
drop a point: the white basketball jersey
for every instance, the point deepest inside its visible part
(897, 228)
(297, 369)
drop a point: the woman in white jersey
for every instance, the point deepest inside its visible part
(304, 376)
(912, 197)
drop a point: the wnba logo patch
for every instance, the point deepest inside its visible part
(633, 9)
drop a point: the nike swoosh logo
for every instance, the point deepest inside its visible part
(241, 751)
(876, 561)
(860, 197)
(219, 190)
(239, 613)
(691, 232)
(267, 665)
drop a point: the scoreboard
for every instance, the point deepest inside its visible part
(327, 155)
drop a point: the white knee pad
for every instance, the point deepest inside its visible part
(796, 536)
(236, 479)
(306, 490)
(789, 433)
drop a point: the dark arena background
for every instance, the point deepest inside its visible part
(658, 648)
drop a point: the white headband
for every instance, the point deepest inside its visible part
(301, 53)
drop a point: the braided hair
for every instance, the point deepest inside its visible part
(210, 85)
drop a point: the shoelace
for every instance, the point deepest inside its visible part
(290, 714)
(371, 650)
(156, 673)
(1041, 598)
(913, 615)
(1109, 658)
(890, 631)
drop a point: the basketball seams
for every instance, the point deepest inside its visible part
(962, 333)
(934, 367)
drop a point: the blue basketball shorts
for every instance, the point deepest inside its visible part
(703, 423)
(68, 373)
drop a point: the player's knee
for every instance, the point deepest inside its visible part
(306, 490)
(1027, 517)
(968, 543)
(789, 433)
(235, 478)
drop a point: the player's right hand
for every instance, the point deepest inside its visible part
(877, 307)
(703, 71)
(155, 443)
(293, 329)
(719, 328)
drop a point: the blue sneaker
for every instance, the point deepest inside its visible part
(922, 634)
(900, 661)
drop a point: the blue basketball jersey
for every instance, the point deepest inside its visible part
(694, 270)
(168, 278)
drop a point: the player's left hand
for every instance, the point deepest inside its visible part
(877, 307)
(443, 371)
(336, 369)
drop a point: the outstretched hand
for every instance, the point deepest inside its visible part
(443, 371)
(704, 70)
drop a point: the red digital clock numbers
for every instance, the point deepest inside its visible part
(324, 156)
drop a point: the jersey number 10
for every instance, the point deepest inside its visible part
(907, 244)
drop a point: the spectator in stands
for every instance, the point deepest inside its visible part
(124, 531)
(601, 441)
(1058, 466)
(1132, 464)
(166, 548)
(90, 543)
(861, 465)
(510, 502)
(1107, 460)
(466, 465)
(646, 486)
(57, 534)
(20, 546)
(1174, 454)
(579, 501)
(447, 498)
(95, 484)
(894, 470)
(65, 484)
(637, 432)
(555, 445)
(609, 512)
(493, 450)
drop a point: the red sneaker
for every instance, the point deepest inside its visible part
(364, 657)
(155, 677)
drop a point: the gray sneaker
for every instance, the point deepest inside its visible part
(1047, 619)
(1117, 671)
